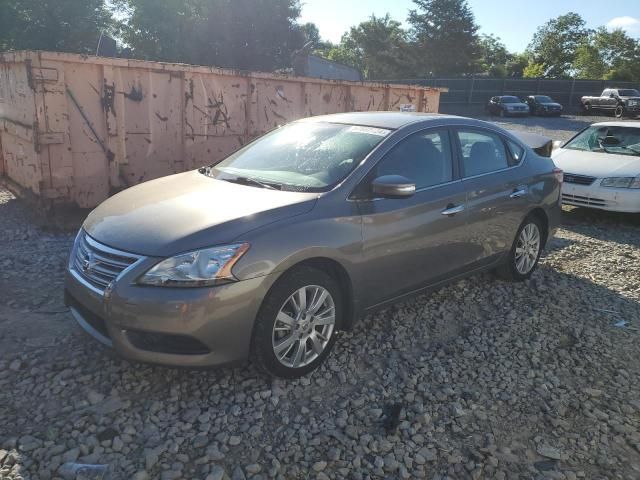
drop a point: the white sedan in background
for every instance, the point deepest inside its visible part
(601, 167)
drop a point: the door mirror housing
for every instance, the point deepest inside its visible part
(393, 186)
(557, 144)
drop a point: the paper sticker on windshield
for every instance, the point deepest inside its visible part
(407, 107)
(381, 132)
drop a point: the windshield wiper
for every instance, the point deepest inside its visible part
(253, 182)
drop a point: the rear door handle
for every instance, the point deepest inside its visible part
(452, 210)
(518, 193)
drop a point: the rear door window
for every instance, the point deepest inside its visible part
(482, 152)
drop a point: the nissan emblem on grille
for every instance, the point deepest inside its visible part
(88, 263)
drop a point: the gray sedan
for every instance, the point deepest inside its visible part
(269, 253)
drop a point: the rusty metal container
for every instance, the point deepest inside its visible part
(75, 129)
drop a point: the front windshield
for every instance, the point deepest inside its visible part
(311, 157)
(618, 140)
(629, 93)
(544, 99)
(511, 100)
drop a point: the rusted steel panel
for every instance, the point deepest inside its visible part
(75, 129)
(18, 126)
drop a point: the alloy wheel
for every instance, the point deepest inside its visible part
(527, 248)
(303, 327)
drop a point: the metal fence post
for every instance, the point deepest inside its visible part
(470, 97)
(571, 92)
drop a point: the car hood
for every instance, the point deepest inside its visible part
(630, 98)
(596, 164)
(189, 211)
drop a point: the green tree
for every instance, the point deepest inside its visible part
(244, 34)
(378, 47)
(611, 55)
(445, 36)
(312, 34)
(555, 43)
(516, 64)
(492, 51)
(589, 63)
(534, 70)
(60, 25)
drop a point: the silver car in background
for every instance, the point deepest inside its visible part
(270, 252)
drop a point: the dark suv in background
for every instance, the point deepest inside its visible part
(543, 105)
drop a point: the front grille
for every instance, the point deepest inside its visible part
(580, 200)
(578, 179)
(98, 265)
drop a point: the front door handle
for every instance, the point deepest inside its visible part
(451, 210)
(518, 193)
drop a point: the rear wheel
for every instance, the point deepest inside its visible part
(523, 257)
(297, 324)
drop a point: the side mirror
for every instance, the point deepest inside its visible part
(557, 144)
(393, 186)
(612, 95)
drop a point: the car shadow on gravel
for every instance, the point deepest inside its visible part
(603, 225)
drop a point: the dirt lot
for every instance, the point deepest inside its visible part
(492, 380)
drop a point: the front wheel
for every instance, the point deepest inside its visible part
(297, 324)
(523, 257)
(619, 111)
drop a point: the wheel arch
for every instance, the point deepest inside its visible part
(542, 216)
(337, 271)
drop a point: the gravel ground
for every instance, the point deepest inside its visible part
(562, 128)
(482, 379)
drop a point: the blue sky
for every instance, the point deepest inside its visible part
(514, 21)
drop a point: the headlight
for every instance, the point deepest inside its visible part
(202, 268)
(633, 103)
(621, 182)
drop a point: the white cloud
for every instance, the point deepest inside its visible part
(629, 24)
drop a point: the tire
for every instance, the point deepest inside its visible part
(587, 108)
(502, 114)
(510, 269)
(619, 112)
(294, 335)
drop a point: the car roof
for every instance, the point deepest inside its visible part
(389, 120)
(633, 124)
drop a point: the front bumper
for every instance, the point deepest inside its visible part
(602, 198)
(632, 111)
(516, 113)
(188, 327)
